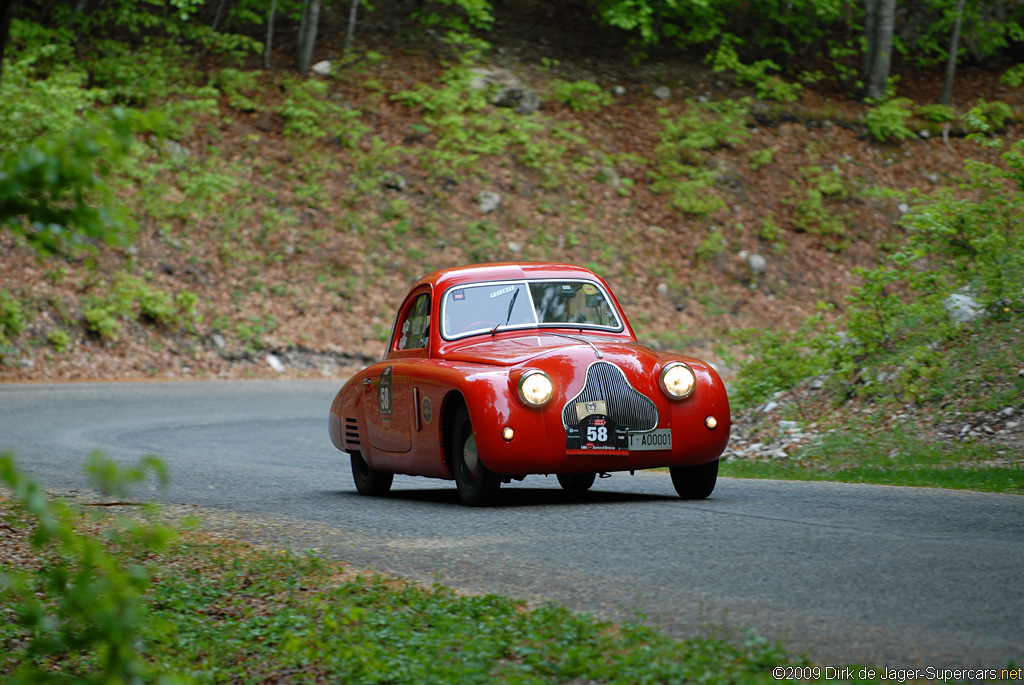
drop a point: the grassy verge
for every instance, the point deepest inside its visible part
(216, 611)
(891, 457)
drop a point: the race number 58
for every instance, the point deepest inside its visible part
(597, 434)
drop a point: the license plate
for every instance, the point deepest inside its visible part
(654, 440)
(597, 434)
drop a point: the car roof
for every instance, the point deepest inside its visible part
(503, 271)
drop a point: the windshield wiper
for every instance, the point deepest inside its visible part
(508, 317)
(597, 352)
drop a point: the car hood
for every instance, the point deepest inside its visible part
(520, 349)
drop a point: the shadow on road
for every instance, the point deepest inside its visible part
(515, 497)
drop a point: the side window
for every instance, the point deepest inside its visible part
(415, 331)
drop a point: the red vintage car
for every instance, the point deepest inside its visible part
(497, 371)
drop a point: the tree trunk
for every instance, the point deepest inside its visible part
(270, 35)
(946, 96)
(218, 15)
(6, 9)
(881, 59)
(307, 35)
(351, 32)
(870, 24)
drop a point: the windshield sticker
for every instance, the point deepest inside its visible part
(503, 291)
(589, 289)
(458, 295)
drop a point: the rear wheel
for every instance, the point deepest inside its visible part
(369, 481)
(695, 482)
(576, 482)
(477, 485)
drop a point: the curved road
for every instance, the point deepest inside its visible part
(889, 577)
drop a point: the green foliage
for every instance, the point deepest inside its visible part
(310, 113)
(888, 121)
(939, 114)
(42, 93)
(997, 113)
(12, 316)
(581, 96)
(762, 158)
(769, 86)
(85, 601)
(468, 126)
(967, 243)
(49, 188)
(132, 299)
(713, 245)
(240, 87)
(866, 453)
(1013, 77)
(811, 214)
(60, 339)
(704, 126)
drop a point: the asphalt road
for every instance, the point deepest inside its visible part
(890, 577)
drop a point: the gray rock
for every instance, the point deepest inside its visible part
(770, 406)
(903, 207)
(514, 247)
(618, 90)
(962, 307)
(219, 341)
(1008, 412)
(521, 99)
(176, 149)
(488, 201)
(662, 289)
(275, 363)
(924, 133)
(787, 425)
(757, 264)
(322, 68)
(662, 93)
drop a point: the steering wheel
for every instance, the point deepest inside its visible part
(477, 325)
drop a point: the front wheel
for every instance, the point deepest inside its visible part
(477, 484)
(369, 481)
(695, 482)
(576, 482)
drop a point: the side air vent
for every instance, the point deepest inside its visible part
(626, 406)
(351, 433)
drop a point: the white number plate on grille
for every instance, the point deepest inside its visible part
(654, 440)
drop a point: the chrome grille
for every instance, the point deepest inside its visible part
(626, 406)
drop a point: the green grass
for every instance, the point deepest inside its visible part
(862, 454)
(217, 611)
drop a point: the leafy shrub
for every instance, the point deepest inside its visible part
(41, 93)
(936, 113)
(769, 86)
(60, 339)
(12, 317)
(581, 96)
(309, 113)
(888, 121)
(997, 113)
(713, 245)
(896, 318)
(49, 188)
(1013, 77)
(85, 599)
(132, 299)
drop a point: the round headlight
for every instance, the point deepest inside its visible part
(536, 388)
(678, 381)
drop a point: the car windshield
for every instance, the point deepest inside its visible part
(487, 307)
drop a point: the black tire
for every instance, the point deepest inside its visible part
(477, 485)
(369, 481)
(695, 482)
(576, 482)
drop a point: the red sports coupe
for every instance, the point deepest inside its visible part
(497, 371)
